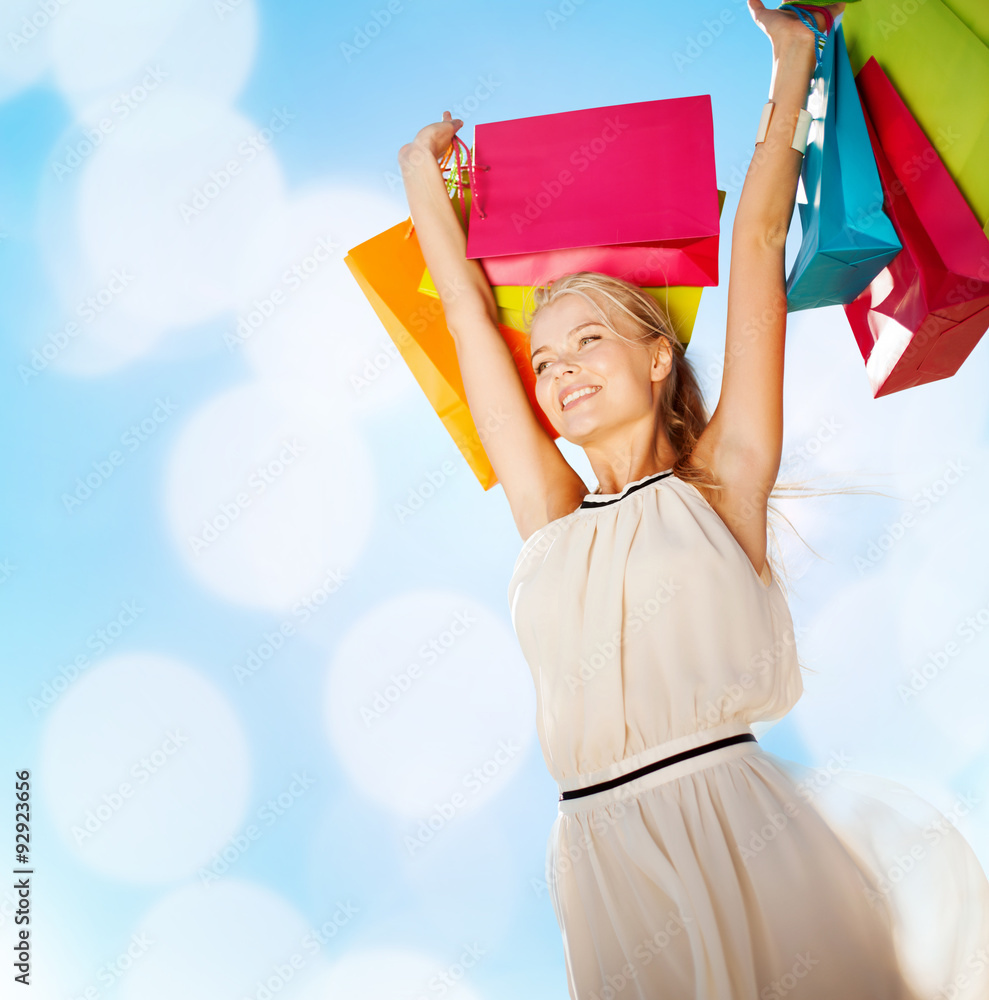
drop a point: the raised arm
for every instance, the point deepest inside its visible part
(743, 443)
(464, 291)
(538, 481)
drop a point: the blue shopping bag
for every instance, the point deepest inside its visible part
(847, 238)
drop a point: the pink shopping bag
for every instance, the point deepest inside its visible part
(628, 190)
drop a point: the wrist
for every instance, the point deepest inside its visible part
(417, 155)
(793, 71)
(797, 52)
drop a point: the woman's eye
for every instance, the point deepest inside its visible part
(539, 367)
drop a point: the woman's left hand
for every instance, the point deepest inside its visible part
(784, 27)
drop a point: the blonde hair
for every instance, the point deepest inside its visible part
(681, 410)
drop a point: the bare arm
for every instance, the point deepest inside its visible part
(538, 481)
(744, 442)
(463, 288)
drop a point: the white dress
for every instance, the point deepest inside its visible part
(734, 874)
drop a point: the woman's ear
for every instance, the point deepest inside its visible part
(662, 359)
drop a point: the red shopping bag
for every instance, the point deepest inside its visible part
(921, 316)
(628, 190)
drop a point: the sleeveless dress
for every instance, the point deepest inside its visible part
(735, 874)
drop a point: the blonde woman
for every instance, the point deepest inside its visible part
(686, 861)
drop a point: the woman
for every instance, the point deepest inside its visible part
(656, 629)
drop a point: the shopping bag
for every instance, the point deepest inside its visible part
(847, 240)
(680, 303)
(627, 190)
(921, 317)
(388, 269)
(936, 55)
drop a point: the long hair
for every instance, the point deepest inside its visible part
(681, 410)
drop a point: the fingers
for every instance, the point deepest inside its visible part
(756, 7)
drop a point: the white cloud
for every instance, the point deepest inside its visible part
(145, 768)
(269, 489)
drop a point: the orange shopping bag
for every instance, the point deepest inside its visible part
(389, 268)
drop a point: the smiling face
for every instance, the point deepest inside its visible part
(573, 350)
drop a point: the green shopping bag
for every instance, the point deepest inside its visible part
(936, 53)
(974, 14)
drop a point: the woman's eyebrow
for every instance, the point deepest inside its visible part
(545, 347)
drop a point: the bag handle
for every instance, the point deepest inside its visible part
(456, 179)
(443, 166)
(803, 11)
(458, 144)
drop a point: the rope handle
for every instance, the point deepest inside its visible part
(443, 165)
(458, 144)
(455, 179)
(803, 11)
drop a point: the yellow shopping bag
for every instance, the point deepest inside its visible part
(680, 302)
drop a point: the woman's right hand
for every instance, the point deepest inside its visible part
(432, 139)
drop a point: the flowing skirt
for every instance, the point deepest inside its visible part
(741, 875)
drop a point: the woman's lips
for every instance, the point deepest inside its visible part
(580, 399)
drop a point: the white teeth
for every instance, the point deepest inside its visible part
(578, 394)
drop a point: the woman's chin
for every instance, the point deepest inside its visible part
(575, 437)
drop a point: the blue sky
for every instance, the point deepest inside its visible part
(278, 827)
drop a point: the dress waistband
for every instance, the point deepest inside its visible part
(670, 753)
